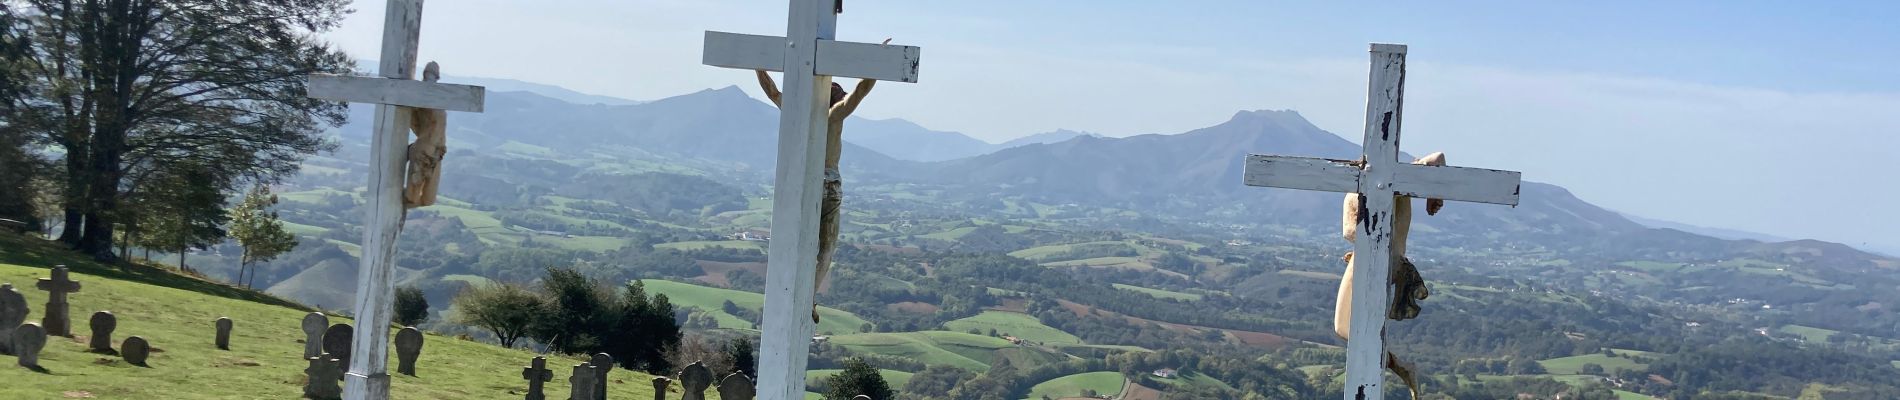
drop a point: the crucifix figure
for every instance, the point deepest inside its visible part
(57, 321)
(809, 58)
(398, 99)
(1379, 180)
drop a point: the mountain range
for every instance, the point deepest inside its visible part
(1191, 174)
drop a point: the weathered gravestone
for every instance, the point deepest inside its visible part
(861, 397)
(135, 351)
(323, 373)
(694, 380)
(224, 333)
(537, 373)
(408, 347)
(336, 341)
(28, 340)
(103, 323)
(583, 382)
(659, 387)
(313, 326)
(736, 387)
(56, 322)
(602, 363)
(13, 312)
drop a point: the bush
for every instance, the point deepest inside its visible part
(412, 308)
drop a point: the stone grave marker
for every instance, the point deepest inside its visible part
(224, 333)
(659, 387)
(103, 323)
(313, 326)
(737, 387)
(408, 347)
(13, 310)
(28, 340)
(336, 341)
(537, 373)
(694, 380)
(323, 373)
(135, 351)
(583, 382)
(56, 321)
(602, 363)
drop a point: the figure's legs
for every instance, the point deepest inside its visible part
(1342, 305)
(827, 229)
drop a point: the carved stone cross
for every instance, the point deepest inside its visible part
(56, 321)
(1380, 179)
(537, 373)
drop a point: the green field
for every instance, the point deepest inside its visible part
(1808, 333)
(1103, 382)
(710, 299)
(1161, 294)
(896, 379)
(1019, 325)
(1574, 364)
(961, 350)
(706, 244)
(1041, 253)
(176, 316)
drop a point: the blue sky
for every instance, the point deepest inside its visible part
(1764, 116)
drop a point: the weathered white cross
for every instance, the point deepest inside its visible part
(809, 58)
(396, 90)
(1379, 180)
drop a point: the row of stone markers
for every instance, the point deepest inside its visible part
(327, 348)
(589, 381)
(26, 340)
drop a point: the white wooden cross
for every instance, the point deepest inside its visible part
(1381, 178)
(809, 58)
(396, 90)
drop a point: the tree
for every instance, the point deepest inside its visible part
(257, 229)
(741, 351)
(173, 215)
(412, 308)
(506, 310)
(1591, 369)
(858, 378)
(18, 163)
(124, 85)
(580, 313)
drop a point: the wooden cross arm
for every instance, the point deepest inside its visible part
(848, 59)
(1304, 173)
(1449, 183)
(1476, 185)
(400, 92)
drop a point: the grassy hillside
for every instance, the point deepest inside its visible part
(1014, 324)
(961, 350)
(896, 379)
(710, 299)
(1103, 382)
(265, 346)
(1574, 365)
(1160, 294)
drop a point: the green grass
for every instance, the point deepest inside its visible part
(1573, 365)
(1015, 324)
(469, 279)
(698, 245)
(1194, 379)
(1043, 252)
(1103, 382)
(316, 196)
(952, 234)
(1161, 294)
(896, 379)
(961, 350)
(1811, 334)
(1628, 395)
(586, 243)
(175, 313)
(711, 299)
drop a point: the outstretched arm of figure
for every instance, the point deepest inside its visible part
(850, 104)
(770, 87)
(1436, 160)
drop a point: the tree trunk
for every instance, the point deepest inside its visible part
(74, 196)
(181, 261)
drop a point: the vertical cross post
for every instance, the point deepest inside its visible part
(809, 58)
(394, 93)
(1381, 181)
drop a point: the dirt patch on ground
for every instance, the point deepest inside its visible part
(716, 271)
(1011, 304)
(914, 307)
(1135, 391)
